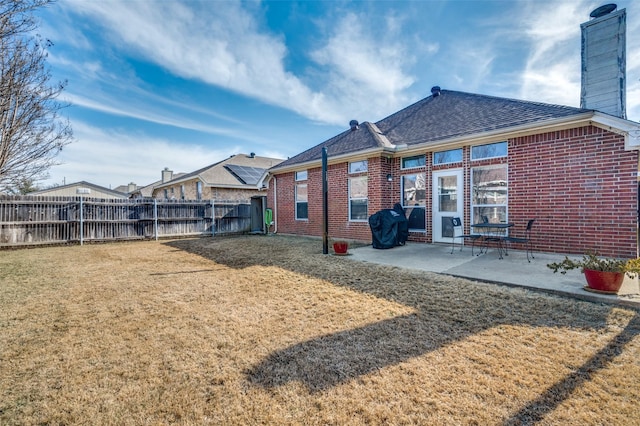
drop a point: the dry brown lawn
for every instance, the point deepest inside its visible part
(268, 330)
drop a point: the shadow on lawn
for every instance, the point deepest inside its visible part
(329, 360)
(548, 401)
(445, 314)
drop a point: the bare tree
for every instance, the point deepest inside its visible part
(32, 132)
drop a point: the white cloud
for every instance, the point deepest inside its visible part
(122, 108)
(471, 62)
(553, 73)
(359, 63)
(363, 68)
(224, 46)
(217, 43)
(124, 158)
(633, 61)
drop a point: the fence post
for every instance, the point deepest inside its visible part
(81, 223)
(213, 218)
(155, 217)
(63, 219)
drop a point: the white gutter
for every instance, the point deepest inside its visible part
(629, 129)
(333, 159)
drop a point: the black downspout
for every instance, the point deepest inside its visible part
(325, 204)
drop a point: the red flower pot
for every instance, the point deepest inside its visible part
(340, 247)
(603, 282)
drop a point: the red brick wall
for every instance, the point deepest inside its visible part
(338, 201)
(580, 185)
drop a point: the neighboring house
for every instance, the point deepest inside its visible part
(237, 178)
(145, 191)
(135, 191)
(82, 188)
(460, 154)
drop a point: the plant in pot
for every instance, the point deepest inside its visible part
(340, 247)
(603, 275)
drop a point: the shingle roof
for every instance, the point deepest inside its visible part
(454, 114)
(366, 136)
(218, 174)
(451, 114)
(80, 184)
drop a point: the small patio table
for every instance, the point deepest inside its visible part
(492, 233)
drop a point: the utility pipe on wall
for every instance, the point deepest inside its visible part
(275, 204)
(325, 204)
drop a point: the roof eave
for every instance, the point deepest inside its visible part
(248, 187)
(629, 129)
(181, 179)
(334, 159)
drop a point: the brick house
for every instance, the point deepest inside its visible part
(459, 154)
(575, 170)
(237, 178)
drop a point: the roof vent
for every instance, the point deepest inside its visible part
(354, 124)
(435, 91)
(603, 10)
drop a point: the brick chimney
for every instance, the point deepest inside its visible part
(604, 61)
(167, 175)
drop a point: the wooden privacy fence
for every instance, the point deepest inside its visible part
(28, 220)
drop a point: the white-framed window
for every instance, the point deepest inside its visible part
(301, 175)
(413, 162)
(358, 166)
(358, 198)
(492, 150)
(166, 194)
(302, 202)
(182, 192)
(414, 200)
(447, 157)
(489, 194)
(198, 190)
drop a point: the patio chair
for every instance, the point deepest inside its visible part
(526, 240)
(458, 232)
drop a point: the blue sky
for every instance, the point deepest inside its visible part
(184, 84)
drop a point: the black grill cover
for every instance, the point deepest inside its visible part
(389, 228)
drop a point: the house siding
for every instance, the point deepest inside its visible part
(208, 192)
(579, 184)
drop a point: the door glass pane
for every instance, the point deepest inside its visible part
(447, 226)
(447, 194)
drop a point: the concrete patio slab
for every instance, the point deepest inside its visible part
(513, 269)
